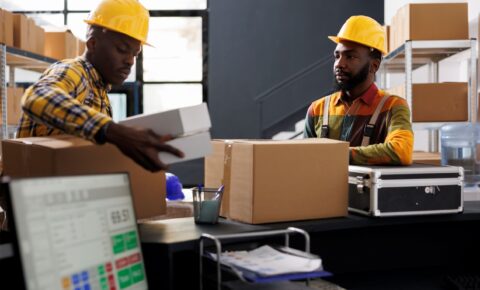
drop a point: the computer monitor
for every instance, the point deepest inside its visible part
(76, 232)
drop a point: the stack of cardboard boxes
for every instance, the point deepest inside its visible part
(432, 102)
(20, 31)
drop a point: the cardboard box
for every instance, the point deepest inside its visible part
(437, 102)
(387, 37)
(177, 122)
(6, 27)
(69, 155)
(60, 44)
(193, 146)
(427, 158)
(40, 40)
(273, 181)
(20, 31)
(189, 124)
(14, 106)
(429, 21)
(81, 45)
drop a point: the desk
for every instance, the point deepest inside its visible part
(354, 248)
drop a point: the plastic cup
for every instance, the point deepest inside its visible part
(206, 205)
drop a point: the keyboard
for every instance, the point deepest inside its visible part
(464, 281)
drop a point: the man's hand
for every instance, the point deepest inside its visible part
(142, 145)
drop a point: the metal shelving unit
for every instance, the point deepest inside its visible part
(414, 54)
(17, 58)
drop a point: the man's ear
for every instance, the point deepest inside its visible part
(374, 65)
(91, 43)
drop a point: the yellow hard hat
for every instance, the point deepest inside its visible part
(125, 16)
(364, 30)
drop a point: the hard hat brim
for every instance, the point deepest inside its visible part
(337, 39)
(89, 22)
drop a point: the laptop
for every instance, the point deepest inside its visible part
(75, 232)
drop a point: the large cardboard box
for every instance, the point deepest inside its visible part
(274, 181)
(20, 31)
(437, 102)
(429, 21)
(39, 44)
(14, 106)
(68, 155)
(60, 44)
(6, 27)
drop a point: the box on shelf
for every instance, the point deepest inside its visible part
(190, 126)
(432, 158)
(6, 27)
(69, 155)
(20, 31)
(60, 44)
(274, 181)
(387, 37)
(14, 107)
(437, 102)
(80, 46)
(39, 40)
(429, 21)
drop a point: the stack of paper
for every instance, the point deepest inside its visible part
(267, 264)
(189, 125)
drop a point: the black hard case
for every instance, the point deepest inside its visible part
(418, 189)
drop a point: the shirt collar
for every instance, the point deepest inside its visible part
(97, 79)
(367, 97)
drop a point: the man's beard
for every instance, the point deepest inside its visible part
(352, 81)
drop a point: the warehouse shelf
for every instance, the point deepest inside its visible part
(16, 58)
(424, 52)
(414, 54)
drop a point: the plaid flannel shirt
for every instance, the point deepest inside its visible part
(69, 97)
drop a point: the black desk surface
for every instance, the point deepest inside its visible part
(355, 248)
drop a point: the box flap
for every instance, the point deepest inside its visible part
(54, 142)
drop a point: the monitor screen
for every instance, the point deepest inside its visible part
(77, 232)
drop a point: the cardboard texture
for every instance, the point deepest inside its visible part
(429, 21)
(40, 40)
(177, 122)
(60, 45)
(81, 45)
(14, 106)
(437, 102)
(387, 37)
(432, 158)
(6, 27)
(273, 181)
(20, 31)
(68, 155)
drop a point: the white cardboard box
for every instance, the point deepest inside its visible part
(190, 126)
(194, 146)
(182, 121)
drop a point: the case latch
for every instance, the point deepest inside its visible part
(360, 184)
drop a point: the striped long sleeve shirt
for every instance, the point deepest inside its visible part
(392, 138)
(70, 98)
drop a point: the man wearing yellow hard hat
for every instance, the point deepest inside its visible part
(71, 96)
(376, 124)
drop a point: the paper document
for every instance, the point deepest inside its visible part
(266, 261)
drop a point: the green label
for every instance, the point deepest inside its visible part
(124, 278)
(101, 270)
(103, 283)
(118, 244)
(131, 240)
(136, 272)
